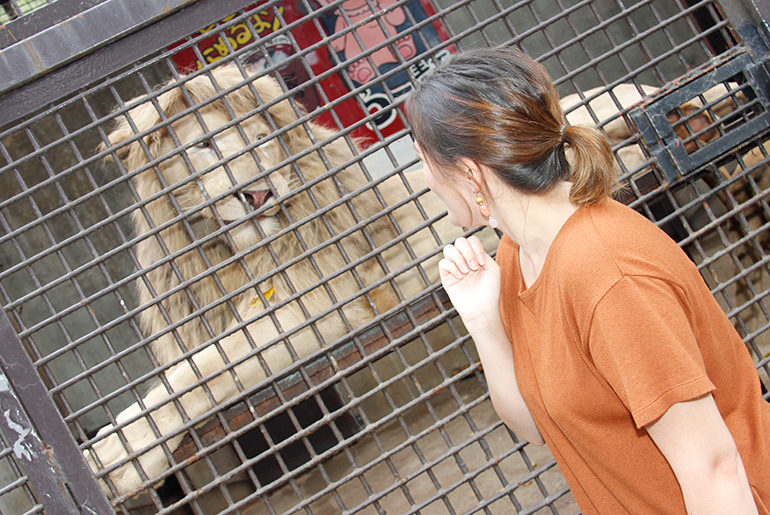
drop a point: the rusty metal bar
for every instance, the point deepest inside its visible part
(104, 58)
(78, 35)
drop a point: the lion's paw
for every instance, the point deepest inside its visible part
(125, 478)
(107, 452)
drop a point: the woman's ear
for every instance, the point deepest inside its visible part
(475, 174)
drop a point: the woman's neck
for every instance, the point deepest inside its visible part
(533, 221)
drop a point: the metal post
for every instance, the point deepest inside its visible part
(45, 449)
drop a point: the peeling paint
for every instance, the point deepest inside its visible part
(21, 449)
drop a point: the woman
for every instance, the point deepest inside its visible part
(597, 334)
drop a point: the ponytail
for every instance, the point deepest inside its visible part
(593, 172)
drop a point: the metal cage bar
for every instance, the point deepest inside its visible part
(386, 409)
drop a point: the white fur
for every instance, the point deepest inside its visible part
(219, 192)
(608, 110)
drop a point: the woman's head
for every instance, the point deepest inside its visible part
(498, 108)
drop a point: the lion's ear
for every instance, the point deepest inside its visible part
(143, 117)
(120, 133)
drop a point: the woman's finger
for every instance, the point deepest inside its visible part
(468, 248)
(454, 254)
(478, 250)
(449, 268)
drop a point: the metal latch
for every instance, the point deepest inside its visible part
(662, 124)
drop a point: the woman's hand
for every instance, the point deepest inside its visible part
(471, 279)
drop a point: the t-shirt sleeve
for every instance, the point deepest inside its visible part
(642, 343)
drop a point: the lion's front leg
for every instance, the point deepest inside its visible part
(167, 418)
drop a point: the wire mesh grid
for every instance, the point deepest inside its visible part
(13, 9)
(288, 271)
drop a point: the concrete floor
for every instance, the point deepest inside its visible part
(432, 463)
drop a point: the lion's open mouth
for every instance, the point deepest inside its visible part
(256, 199)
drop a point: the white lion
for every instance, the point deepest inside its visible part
(240, 210)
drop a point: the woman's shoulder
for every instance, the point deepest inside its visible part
(613, 234)
(611, 216)
(625, 230)
(599, 245)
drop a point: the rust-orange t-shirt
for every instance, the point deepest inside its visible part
(617, 328)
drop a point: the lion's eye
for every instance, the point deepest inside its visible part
(203, 144)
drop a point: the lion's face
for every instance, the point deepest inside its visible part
(229, 171)
(214, 160)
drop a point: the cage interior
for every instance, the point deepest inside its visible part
(227, 247)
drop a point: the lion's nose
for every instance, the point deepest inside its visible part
(256, 199)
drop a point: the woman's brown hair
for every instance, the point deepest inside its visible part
(498, 107)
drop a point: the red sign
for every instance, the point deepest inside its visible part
(268, 20)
